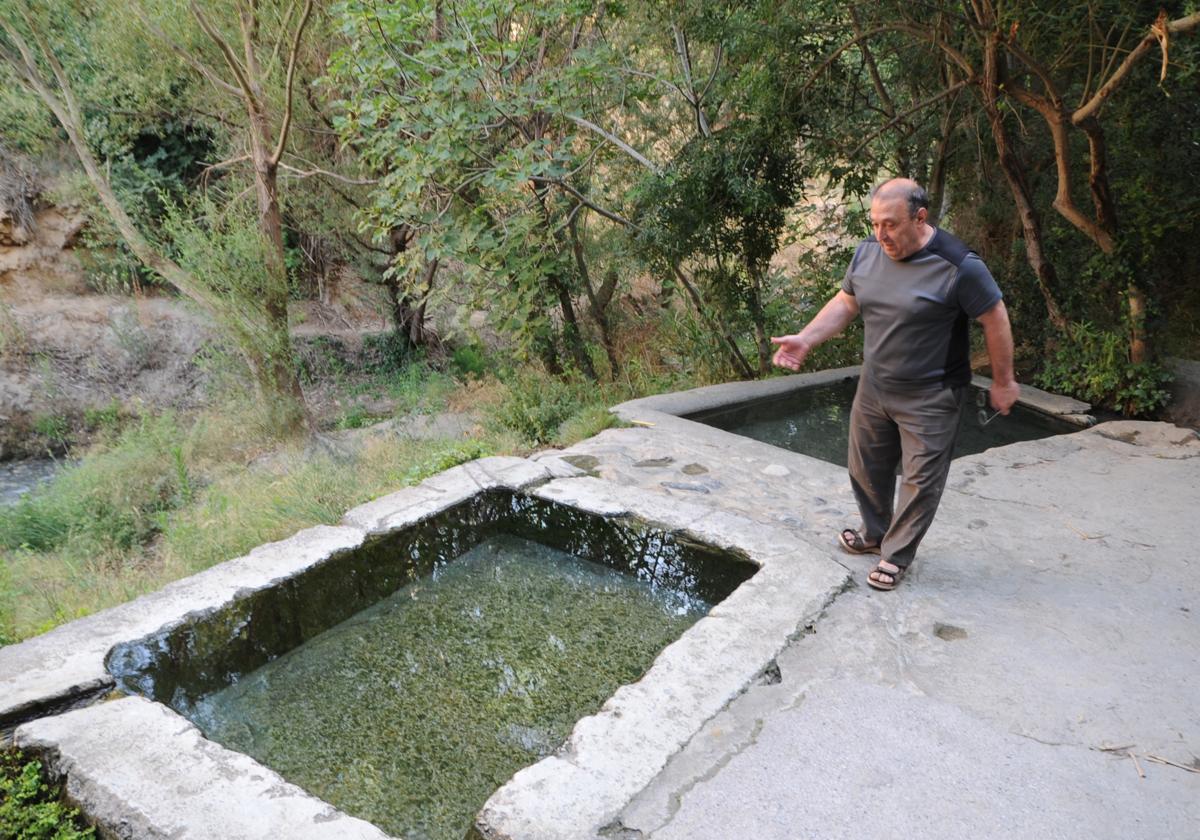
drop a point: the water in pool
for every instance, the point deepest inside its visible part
(815, 422)
(412, 712)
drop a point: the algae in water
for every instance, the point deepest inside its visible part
(413, 712)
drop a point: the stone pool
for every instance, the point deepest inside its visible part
(809, 413)
(483, 634)
(815, 421)
(258, 699)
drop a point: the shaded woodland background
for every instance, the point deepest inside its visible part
(541, 160)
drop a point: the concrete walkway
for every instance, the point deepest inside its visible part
(1048, 632)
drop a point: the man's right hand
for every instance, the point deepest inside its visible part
(792, 351)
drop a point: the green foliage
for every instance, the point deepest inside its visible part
(469, 360)
(106, 419)
(52, 426)
(450, 455)
(1094, 366)
(30, 808)
(479, 147)
(356, 417)
(220, 244)
(535, 405)
(584, 423)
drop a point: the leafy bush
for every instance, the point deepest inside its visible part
(1093, 365)
(535, 405)
(30, 808)
(588, 421)
(470, 360)
(107, 419)
(444, 459)
(356, 417)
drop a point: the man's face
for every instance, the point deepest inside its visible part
(898, 233)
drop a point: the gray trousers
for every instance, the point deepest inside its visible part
(914, 430)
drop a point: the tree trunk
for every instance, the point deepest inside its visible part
(1014, 174)
(740, 365)
(761, 339)
(572, 336)
(598, 308)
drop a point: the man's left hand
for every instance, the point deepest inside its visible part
(1003, 396)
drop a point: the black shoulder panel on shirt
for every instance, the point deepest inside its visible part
(948, 247)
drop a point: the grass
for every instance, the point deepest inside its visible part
(121, 524)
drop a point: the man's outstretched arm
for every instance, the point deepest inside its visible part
(834, 317)
(997, 334)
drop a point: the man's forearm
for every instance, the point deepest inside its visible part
(997, 334)
(834, 317)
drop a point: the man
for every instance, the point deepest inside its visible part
(915, 286)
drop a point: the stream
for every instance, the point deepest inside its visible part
(19, 477)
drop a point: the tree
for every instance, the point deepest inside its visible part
(1020, 59)
(471, 114)
(259, 324)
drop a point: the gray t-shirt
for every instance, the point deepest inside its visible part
(915, 311)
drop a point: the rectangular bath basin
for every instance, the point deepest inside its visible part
(815, 421)
(406, 680)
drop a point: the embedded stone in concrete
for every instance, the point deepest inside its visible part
(139, 771)
(557, 466)
(655, 462)
(776, 470)
(587, 463)
(684, 486)
(607, 499)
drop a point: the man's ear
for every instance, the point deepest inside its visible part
(922, 215)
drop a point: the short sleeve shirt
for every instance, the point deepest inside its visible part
(916, 311)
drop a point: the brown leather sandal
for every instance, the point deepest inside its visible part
(876, 578)
(854, 543)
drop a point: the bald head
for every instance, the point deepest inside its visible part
(903, 189)
(899, 208)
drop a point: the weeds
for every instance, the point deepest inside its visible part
(30, 808)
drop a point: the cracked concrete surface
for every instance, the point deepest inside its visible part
(1047, 630)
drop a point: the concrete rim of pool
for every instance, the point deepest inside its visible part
(139, 769)
(671, 411)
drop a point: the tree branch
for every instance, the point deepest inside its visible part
(189, 59)
(585, 201)
(1159, 33)
(291, 74)
(234, 65)
(138, 243)
(616, 141)
(955, 88)
(889, 106)
(358, 182)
